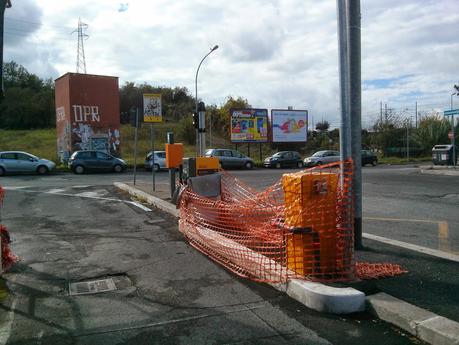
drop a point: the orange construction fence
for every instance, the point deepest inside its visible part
(300, 227)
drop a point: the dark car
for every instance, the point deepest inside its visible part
(230, 158)
(369, 157)
(82, 161)
(283, 159)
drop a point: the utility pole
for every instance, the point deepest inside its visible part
(385, 112)
(3, 5)
(416, 113)
(380, 112)
(355, 92)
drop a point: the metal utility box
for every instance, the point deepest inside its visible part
(443, 155)
(87, 114)
(199, 166)
(174, 155)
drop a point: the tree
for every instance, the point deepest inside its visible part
(323, 126)
(29, 100)
(432, 130)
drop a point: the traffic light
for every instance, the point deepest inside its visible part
(195, 120)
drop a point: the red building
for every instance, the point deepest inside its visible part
(87, 114)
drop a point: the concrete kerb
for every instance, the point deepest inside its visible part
(425, 325)
(313, 295)
(439, 170)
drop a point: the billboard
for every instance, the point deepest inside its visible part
(152, 107)
(249, 125)
(289, 125)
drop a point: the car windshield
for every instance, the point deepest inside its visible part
(318, 154)
(279, 154)
(209, 152)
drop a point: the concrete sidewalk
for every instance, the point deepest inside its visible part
(440, 170)
(430, 284)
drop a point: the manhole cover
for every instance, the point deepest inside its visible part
(91, 287)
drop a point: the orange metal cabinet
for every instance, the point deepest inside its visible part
(310, 214)
(174, 155)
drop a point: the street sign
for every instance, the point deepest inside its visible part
(451, 112)
(450, 135)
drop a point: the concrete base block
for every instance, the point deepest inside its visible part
(325, 298)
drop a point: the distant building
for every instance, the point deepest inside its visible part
(87, 114)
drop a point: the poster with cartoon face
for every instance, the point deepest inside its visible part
(289, 125)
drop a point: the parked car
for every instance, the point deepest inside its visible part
(284, 159)
(369, 157)
(160, 160)
(91, 160)
(23, 162)
(230, 158)
(322, 157)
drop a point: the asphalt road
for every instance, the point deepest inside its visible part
(69, 228)
(399, 202)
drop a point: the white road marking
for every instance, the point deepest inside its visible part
(414, 247)
(89, 195)
(139, 205)
(57, 190)
(15, 187)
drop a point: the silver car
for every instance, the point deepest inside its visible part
(23, 162)
(322, 157)
(160, 160)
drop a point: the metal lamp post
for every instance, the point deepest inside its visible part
(198, 145)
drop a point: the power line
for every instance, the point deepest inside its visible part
(66, 28)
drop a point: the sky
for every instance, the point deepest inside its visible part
(274, 53)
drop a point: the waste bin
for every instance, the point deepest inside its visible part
(443, 155)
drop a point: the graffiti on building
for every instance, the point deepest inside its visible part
(86, 113)
(60, 114)
(83, 133)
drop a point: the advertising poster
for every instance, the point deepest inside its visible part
(152, 107)
(249, 125)
(289, 125)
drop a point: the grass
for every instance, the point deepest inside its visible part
(401, 161)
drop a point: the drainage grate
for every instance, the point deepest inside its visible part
(92, 287)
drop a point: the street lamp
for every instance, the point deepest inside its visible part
(454, 93)
(196, 85)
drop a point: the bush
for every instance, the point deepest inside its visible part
(186, 131)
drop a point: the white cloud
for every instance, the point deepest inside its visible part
(274, 53)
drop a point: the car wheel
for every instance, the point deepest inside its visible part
(156, 167)
(248, 165)
(278, 165)
(118, 168)
(79, 169)
(374, 163)
(299, 165)
(42, 170)
(2, 171)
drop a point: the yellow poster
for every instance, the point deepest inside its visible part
(152, 111)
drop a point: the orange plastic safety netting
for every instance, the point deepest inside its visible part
(300, 227)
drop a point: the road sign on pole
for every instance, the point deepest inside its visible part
(451, 112)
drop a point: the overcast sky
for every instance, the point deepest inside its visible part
(275, 53)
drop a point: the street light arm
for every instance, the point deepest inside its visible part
(197, 72)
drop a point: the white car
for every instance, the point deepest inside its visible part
(160, 160)
(23, 162)
(322, 157)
